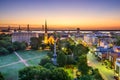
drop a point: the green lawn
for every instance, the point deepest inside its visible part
(8, 59)
(31, 53)
(11, 72)
(35, 61)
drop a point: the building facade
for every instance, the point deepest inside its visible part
(23, 36)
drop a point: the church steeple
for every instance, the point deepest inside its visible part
(45, 34)
(8, 28)
(45, 26)
(28, 28)
(19, 29)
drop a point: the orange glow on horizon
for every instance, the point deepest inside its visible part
(84, 22)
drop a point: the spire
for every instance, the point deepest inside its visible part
(8, 28)
(19, 29)
(45, 26)
(28, 28)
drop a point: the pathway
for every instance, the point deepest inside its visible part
(19, 62)
(10, 64)
(21, 59)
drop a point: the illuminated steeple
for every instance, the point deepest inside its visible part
(45, 26)
(46, 35)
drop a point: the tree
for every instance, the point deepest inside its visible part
(23, 46)
(60, 74)
(10, 48)
(49, 66)
(45, 61)
(4, 43)
(80, 50)
(41, 73)
(17, 45)
(50, 54)
(5, 37)
(40, 38)
(70, 60)
(86, 77)
(117, 42)
(82, 65)
(61, 58)
(97, 75)
(3, 51)
(62, 43)
(34, 42)
(1, 76)
(35, 73)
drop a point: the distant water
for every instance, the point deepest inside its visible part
(70, 31)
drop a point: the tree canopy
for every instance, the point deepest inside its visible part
(41, 73)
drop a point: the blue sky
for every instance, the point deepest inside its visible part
(83, 13)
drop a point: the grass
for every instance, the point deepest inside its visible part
(34, 61)
(11, 72)
(31, 53)
(8, 59)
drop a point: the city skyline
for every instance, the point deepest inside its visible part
(85, 14)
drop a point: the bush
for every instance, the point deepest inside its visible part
(34, 73)
(10, 48)
(45, 60)
(23, 46)
(50, 54)
(61, 59)
(1, 76)
(19, 45)
(97, 75)
(60, 74)
(3, 51)
(41, 73)
(49, 66)
(70, 60)
(86, 77)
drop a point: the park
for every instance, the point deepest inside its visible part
(64, 59)
(11, 64)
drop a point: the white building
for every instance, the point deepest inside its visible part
(90, 39)
(117, 66)
(23, 36)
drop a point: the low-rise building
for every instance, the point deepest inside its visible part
(23, 36)
(117, 66)
(90, 39)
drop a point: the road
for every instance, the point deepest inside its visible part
(106, 73)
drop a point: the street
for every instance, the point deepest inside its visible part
(107, 74)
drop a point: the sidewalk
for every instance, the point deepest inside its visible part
(21, 59)
(107, 74)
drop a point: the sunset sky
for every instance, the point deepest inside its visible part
(86, 14)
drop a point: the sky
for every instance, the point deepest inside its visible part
(85, 14)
